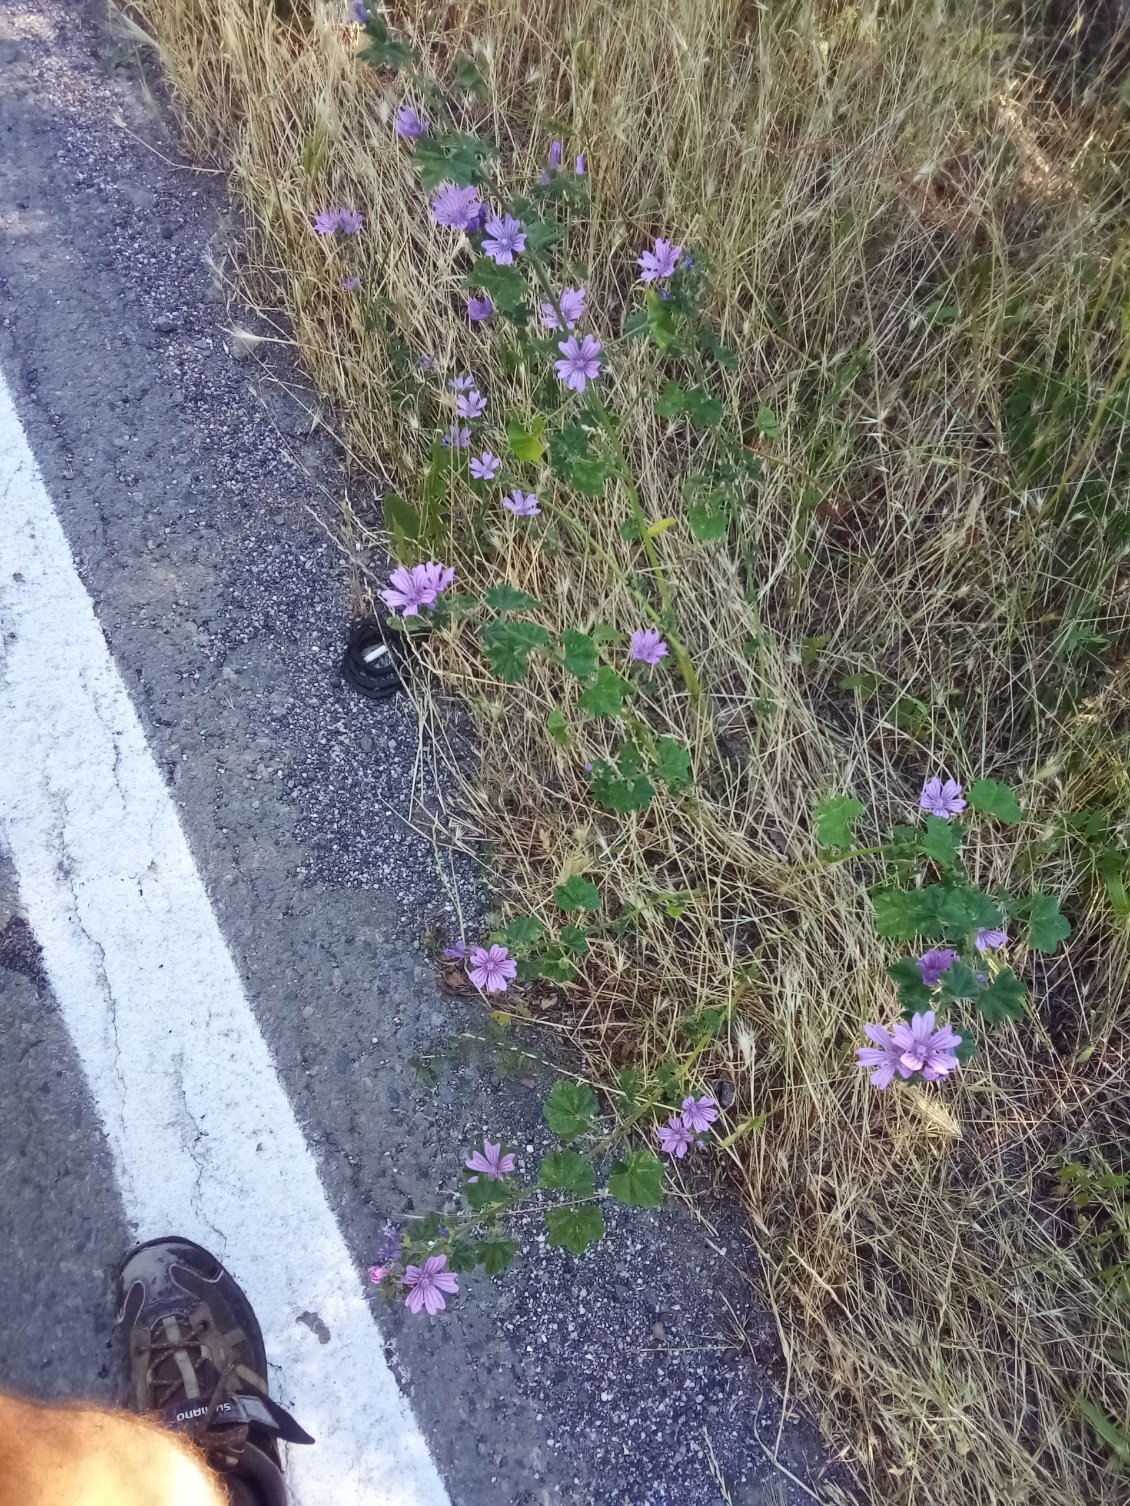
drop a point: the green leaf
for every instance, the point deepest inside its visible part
(914, 996)
(463, 1254)
(558, 727)
(703, 1025)
(566, 1171)
(495, 1255)
(507, 598)
(767, 423)
(631, 1084)
(941, 841)
(540, 233)
(450, 157)
(527, 444)
(570, 1108)
(605, 696)
(576, 939)
(577, 893)
(1003, 999)
(508, 646)
(588, 477)
(961, 911)
(709, 518)
(505, 285)
(725, 357)
(1116, 1437)
(575, 1228)
(556, 969)
(1046, 926)
(834, 819)
(670, 402)
(566, 444)
(672, 764)
(862, 684)
(381, 49)
(469, 76)
(959, 982)
(401, 519)
(638, 1180)
(524, 930)
(903, 914)
(967, 1048)
(660, 321)
(580, 653)
(702, 408)
(995, 799)
(620, 794)
(485, 1194)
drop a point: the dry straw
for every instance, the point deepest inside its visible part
(903, 215)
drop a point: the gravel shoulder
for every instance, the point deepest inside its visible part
(199, 497)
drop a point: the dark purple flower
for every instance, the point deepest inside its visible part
(934, 963)
(409, 123)
(425, 363)
(458, 437)
(471, 404)
(688, 262)
(581, 363)
(490, 1162)
(675, 1137)
(661, 262)
(883, 1059)
(485, 467)
(455, 207)
(571, 302)
(647, 646)
(521, 504)
(428, 1284)
(479, 310)
(555, 156)
(987, 940)
(699, 1113)
(926, 1049)
(458, 952)
(940, 799)
(390, 1243)
(359, 11)
(491, 969)
(505, 239)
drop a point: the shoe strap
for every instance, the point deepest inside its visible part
(237, 1410)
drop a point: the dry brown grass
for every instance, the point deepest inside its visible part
(846, 169)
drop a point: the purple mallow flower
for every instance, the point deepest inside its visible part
(940, 799)
(479, 310)
(987, 940)
(428, 1283)
(359, 11)
(882, 1059)
(390, 1244)
(457, 208)
(409, 123)
(646, 646)
(924, 1048)
(412, 589)
(351, 284)
(581, 165)
(555, 156)
(458, 437)
(491, 969)
(348, 221)
(505, 239)
(934, 963)
(521, 504)
(661, 262)
(675, 1137)
(461, 383)
(471, 404)
(436, 577)
(699, 1113)
(456, 953)
(572, 304)
(490, 1162)
(485, 467)
(581, 363)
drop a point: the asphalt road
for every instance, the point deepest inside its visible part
(194, 491)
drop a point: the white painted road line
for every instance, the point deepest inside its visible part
(203, 1137)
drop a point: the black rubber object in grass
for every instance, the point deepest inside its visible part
(371, 663)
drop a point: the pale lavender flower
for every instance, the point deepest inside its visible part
(436, 577)
(646, 646)
(479, 310)
(408, 592)
(490, 1162)
(428, 1284)
(485, 467)
(883, 1059)
(699, 1113)
(409, 123)
(581, 165)
(581, 363)
(572, 304)
(491, 969)
(555, 156)
(461, 383)
(458, 437)
(359, 11)
(505, 239)
(521, 504)
(675, 1137)
(934, 963)
(349, 221)
(926, 1049)
(327, 221)
(351, 284)
(940, 799)
(456, 953)
(661, 262)
(458, 208)
(471, 404)
(987, 940)
(425, 363)
(543, 178)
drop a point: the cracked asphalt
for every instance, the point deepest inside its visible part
(199, 501)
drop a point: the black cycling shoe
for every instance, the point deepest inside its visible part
(198, 1365)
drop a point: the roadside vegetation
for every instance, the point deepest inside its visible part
(772, 418)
